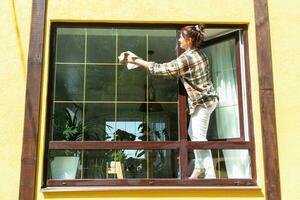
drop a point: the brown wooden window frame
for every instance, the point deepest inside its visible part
(183, 145)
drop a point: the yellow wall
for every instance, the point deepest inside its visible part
(15, 17)
(14, 40)
(285, 33)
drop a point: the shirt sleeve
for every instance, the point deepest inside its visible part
(173, 68)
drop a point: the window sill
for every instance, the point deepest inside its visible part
(148, 188)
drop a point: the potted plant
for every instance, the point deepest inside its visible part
(65, 163)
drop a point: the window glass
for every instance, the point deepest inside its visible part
(113, 164)
(107, 90)
(125, 124)
(225, 163)
(70, 45)
(225, 119)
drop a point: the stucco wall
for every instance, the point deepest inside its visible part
(14, 40)
(285, 32)
(15, 16)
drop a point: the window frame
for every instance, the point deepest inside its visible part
(183, 145)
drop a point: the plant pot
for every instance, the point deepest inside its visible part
(64, 167)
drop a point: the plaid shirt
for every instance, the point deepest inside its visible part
(193, 70)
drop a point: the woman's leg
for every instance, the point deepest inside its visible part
(198, 131)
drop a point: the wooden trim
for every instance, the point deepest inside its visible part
(234, 35)
(94, 145)
(233, 189)
(183, 120)
(112, 145)
(239, 85)
(266, 97)
(152, 182)
(249, 105)
(219, 145)
(183, 145)
(32, 103)
(50, 106)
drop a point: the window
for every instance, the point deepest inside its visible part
(106, 122)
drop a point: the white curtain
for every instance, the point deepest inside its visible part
(222, 61)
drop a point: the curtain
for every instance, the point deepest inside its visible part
(223, 67)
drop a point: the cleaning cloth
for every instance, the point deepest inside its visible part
(129, 65)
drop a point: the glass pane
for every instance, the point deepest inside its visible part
(95, 163)
(64, 164)
(67, 122)
(96, 117)
(165, 88)
(128, 124)
(221, 56)
(101, 45)
(163, 125)
(69, 82)
(158, 39)
(70, 45)
(220, 164)
(226, 85)
(100, 83)
(133, 40)
(132, 164)
(131, 84)
(228, 122)
(224, 121)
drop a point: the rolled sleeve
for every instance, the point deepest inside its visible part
(173, 68)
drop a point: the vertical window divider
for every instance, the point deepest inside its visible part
(83, 104)
(219, 165)
(147, 103)
(54, 84)
(116, 96)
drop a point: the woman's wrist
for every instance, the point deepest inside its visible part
(142, 62)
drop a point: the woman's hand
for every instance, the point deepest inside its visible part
(130, 57)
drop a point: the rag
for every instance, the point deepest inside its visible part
(129, 65)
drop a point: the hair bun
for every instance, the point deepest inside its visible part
(200, 28)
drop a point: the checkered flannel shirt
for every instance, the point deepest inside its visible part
(192, 68)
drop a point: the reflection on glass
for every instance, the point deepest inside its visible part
(227, 163)
(130, 84)
(133, 40)
(96, 116)
(100, 83)
(70, 45)
(128, 122)
(67, 122)
(69, 82)
(226, 85)
(163, 126)
(64, 164)
(166, 88)
(101, 45)
(131, 164)
(224, 122)
(124, 131)
(165, 39)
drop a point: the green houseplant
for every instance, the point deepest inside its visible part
(65, 163)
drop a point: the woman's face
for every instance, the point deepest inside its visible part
(185, 43)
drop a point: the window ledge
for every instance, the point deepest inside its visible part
(137, 188)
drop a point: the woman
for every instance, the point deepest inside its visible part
(193, 70)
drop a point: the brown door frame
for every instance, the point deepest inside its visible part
(33, 91)
(266, 98)
(32, 102)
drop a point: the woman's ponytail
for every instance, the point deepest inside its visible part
(196, 33)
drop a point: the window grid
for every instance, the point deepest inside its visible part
(116, 101)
